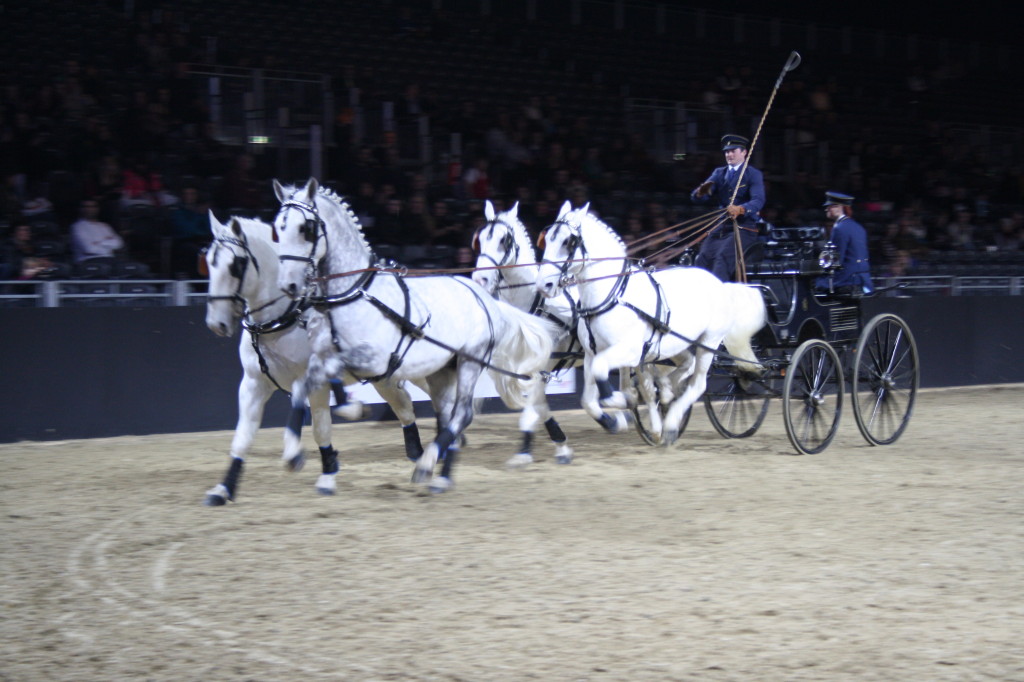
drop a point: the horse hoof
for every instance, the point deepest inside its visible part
(668, 438)
(420, 475)
(296, 463)
(326, 484)
(615, 401)
(520, 460)
(350, 411)
(217, 496)
(440, 484)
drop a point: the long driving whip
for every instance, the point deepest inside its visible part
(791, 63)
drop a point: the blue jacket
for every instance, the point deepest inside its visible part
(851, 240)
(750, 195)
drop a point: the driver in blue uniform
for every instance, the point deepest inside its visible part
(851, 242)
(718, 250)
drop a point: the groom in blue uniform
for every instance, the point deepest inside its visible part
(718, 250)
(851, 242)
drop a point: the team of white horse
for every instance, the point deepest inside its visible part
(319, 307)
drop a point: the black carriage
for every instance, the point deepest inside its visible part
(814, 346)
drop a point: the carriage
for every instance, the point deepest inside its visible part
(813, 347)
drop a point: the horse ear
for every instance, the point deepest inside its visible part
(215, 225)
(476, 240)
(566, 207)
(488, 210)
(514, 210)
(586, 208)
(541, 241)
(311, 187)
(279, 191)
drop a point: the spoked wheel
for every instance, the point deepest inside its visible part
(885, 379)
(812, 396)
(649, 426)
(737, 406)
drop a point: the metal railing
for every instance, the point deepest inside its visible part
(102, 292)
(192, 292)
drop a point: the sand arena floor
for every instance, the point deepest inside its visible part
(713, 560)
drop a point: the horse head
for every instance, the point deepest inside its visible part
(233, 270)
(564, 253)
(501, 244)
(301, 236)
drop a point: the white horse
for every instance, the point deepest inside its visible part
(441, 328)
(506, 267)
(671, 320)
(243, 265)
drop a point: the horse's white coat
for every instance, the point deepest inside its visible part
(452, 311)
(507, 268)
(697, 306)
(287, 352)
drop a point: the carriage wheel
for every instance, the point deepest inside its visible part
(812, 396)
(641, 414)
(737, 406)
(885, 379)
(735, 409)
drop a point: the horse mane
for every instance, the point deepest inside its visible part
(592, 218)
(522, 237)
(339, 204)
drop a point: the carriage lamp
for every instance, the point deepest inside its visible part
(828, 259)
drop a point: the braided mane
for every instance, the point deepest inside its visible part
(519, 231)
(607, 228)
(343, 206)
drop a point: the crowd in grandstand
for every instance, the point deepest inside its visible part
(101, 167)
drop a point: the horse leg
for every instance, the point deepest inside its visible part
(533, 413)
(321, 416)
(563, 451)
(616, 356)
(253, 393)
(398, 399)
(441, 389)
(695, 384)
(462, 417)
(612, 422)
(294, 457)
(347, 409)
(463, 381)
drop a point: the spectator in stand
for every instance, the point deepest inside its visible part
(142, 186)
(92, 238)
(241, 189)
(477, 181)
(19, 257)
(190, 232)
(445, 229)
(1010, 236)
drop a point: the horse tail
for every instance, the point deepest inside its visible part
(748, 317)
(524, 347)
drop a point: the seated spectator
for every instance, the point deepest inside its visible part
(19, 258)
(444, 228)
(91, 238)
(142, 186)
(190, 232)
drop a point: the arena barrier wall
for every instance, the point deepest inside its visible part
(98, 372)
